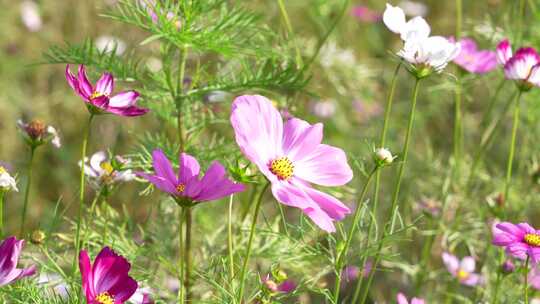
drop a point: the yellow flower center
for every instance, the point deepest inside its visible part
(462, 275)
(532, 239)
(107, 167)
(282, 167)
(96, 95)
(105, 298)
(2, 170)
(180, 188)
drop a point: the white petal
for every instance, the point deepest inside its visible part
(416, 29)
(394, 18)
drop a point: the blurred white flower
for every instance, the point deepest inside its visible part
(154, 64)
(30, 16)
(141, 296)
(55, 282)
(413, 8)
(108, 44)
(102, 171)
(423, 52)
(7, 182)
(332, 55)
(323, 109)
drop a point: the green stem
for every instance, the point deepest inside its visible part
(187, 255)
(181, 256)
(230, 240)
(457, 128)
(250, 242)
(397, 189)
(287, 21)
(343, 253)
(459, 18)
(382, 143)
(512, 148)
(27, 190)
(179, 99)
(81, 193)
(526, 284)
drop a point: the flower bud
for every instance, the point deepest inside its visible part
(383, 157)
(508, 267)
(37, 237)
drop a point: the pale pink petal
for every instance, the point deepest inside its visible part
(124, 99)
(504, 51)
(105, 84)
(451, 262)
(467, 264)
(518, 250)
(326, 166)
(329, 204)
(300, 138)
(402, 299)
(472, 280)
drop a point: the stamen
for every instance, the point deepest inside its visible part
(96, 95)
(107, 167)
(105, 298)
(532, 239)
(462, 275)
(2, 170)
(282, 167)
(180, 188)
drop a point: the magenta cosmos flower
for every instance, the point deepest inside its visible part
(287, 286)
(187, 187)
(473, 60)
(520, 240)
(462, 270)
(523, 66)
(292, 157)
(99, 100)
(402, 299)
(106, 281)
(10, 251)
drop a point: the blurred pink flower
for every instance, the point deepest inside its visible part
(473, 60)
(351, 273)
(366, 110)
(10, 251)
(523, 66)
(292, 157)
(462, 270)
(186, 186)
(30, 16)
(402, 299)
(287, 286)
(365, 14)
(98, 100)
(520, 240)
(323, 109)
(429, 206)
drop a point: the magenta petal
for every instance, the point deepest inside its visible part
(161, 183)
(125, 288)
(105, 84)
(128, 111)
(101, 102)
(84, 84)
(163, 167)
(326, 166)
(124, 99)
(216, 184)
(287, 286)
(72, 80)
(189, 167)
(110, 269)
(518, 250)
(504, 51)
(87, 276)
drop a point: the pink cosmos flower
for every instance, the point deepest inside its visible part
(292, 157)
(523, 66)
(98, 100)
(365, 14)
(106, 281)
(286, 286)
(351, 273)
(462, 270)
(402, 299)
(520, 240)
(473, 60)
(10, 251)
(187, 187)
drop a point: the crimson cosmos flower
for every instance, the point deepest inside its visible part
(291, 156)
(187, 187)
(107, 280)
(98, 99)
(10, 251)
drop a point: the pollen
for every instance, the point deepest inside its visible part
(96, 94)
(2, 170)
(462, 275)
(180, 188)
(107, 167)
(532, 239)
(105, 298)
(282, 167)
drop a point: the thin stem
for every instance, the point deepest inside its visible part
(27, 190)
(459, 18)
(187, 255)
(2, 192)
(179, 100)
(230, 240)
(512, 148)
(397, 189)
(382, 143)
(81, 194)
(181, 256)
(290, 32)
(250, 242)
(526, 284)
(343, 253)
(457, 128)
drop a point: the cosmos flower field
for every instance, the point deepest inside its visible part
(214, 151)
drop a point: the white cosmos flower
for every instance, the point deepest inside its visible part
(108, 44)
(30, 16)
(101, 170)
(7, 182)
(419, 48)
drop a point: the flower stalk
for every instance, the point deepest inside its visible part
(526, 282)
(27, 190)
(250, 242)
(512, 147)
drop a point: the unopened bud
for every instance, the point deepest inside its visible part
(383, 157)
(37, 237)
(508, 267)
